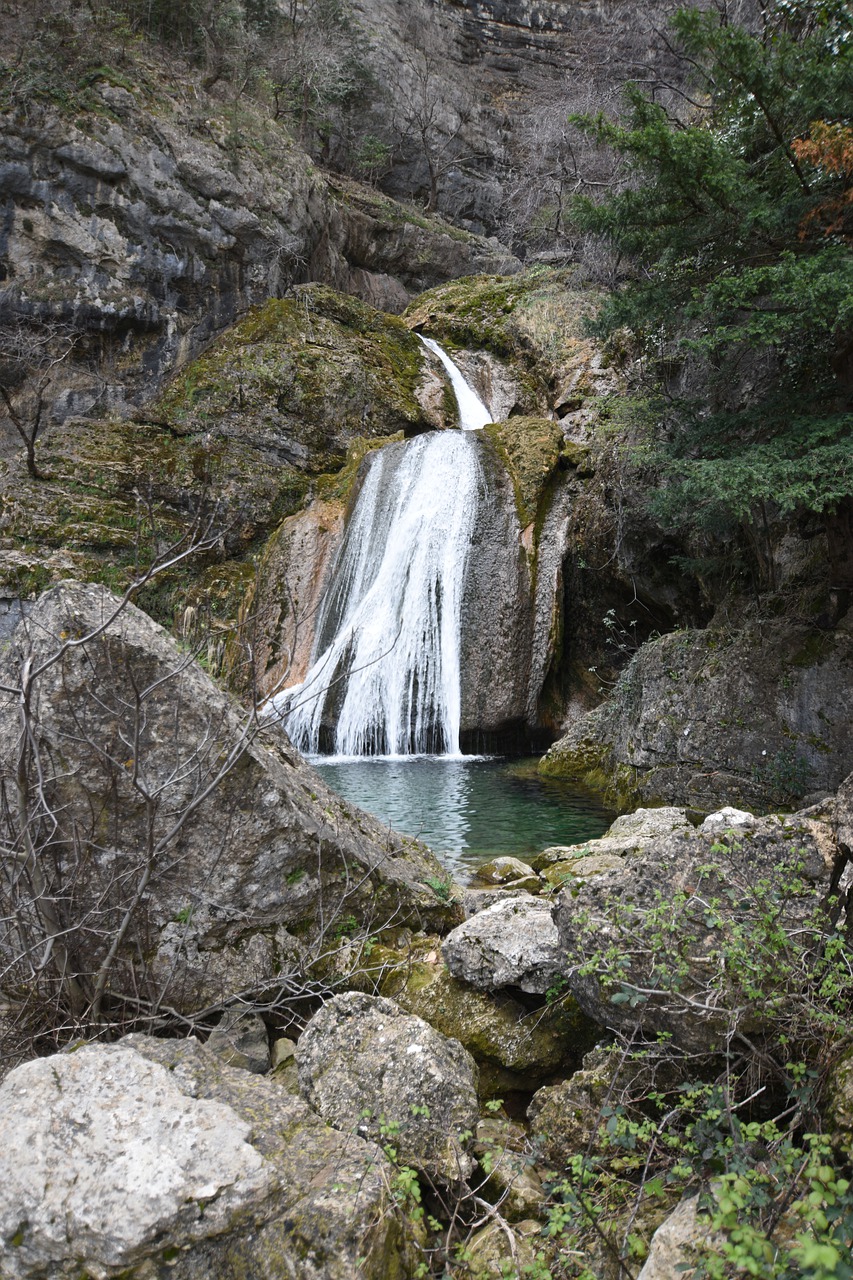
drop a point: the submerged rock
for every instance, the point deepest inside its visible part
(369, 1068)
(153, 1157)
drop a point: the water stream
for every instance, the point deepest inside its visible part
(384, 677)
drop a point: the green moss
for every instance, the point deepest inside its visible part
(530, 450)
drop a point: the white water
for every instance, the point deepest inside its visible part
(473, 414)
(387, 647)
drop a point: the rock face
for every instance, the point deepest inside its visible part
(152, 1158)
(678, 941)
(752, 718)
(196, 845)
(511, 944)
(367, 1067)
(136, 220)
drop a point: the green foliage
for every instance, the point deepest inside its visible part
(737, 278)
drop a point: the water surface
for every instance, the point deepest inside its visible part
(468, 809)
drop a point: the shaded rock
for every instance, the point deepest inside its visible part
(240, 1039)
(675, 1243)
(679, 939)
(367, 1067)
(840, 1105)
(493, 1027)
(241, 857)
(503, 1152)
(495, 1248)
(511, 944)
(752, 718)
(153, 1156)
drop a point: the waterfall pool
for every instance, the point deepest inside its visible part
(469, 808)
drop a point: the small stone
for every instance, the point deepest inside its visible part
(241, 1040)
(727, 817)
(282, 1052)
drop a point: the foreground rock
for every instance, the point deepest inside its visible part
(371, 1069)
(513, 943)
(194, 843)
(755, 718)
(679, 940)
(153, 1158)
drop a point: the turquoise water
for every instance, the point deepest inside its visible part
(468, 809)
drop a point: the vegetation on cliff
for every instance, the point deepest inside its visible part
(739, 225)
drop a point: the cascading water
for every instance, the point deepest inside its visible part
(385, 662)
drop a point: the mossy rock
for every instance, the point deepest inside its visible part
(306, 375)
(530, 450)
(494, 1028)
(535, 320)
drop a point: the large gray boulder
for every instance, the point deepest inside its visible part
(170, 830)
(369, 1068)
(683, 938)
(147, 1158)
(755, 718)
(513, 943)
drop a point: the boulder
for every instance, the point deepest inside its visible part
(679, 940)
(494, 1027)
(755, 718)
(511, 944)
(192, 838)
(509, 873)
(151, 1157)
(628, 835)
(369, 1068)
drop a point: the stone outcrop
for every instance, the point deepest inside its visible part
(751, 718)
(369, 1068)
(154, 225)
(646, 947)
(200, 836)
(153, 1158)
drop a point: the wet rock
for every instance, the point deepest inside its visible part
(369, 1068)
(147, 1154)
(241, 1040)
(511, 944)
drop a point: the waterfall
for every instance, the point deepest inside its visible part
(385, 663)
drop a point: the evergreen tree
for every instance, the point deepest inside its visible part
(740, 227)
